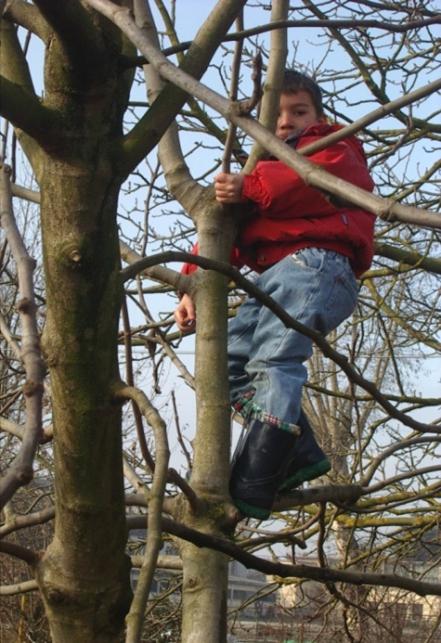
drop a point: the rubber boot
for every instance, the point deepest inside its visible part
(259, 467)
(309, 461)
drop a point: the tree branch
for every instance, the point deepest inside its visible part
(274, 79)
(19, 103)
(152, 416)
(20, 472)
(13, 63)
(25, 111)
(177, 175)
(24, 522)
(23, 553)
(322, 575)
(337, 494)
(371, 117)
(135, 616)
(234, 85)
(145, 135)
(337, 24)
(27, 16)
(181, 283)
(19, 588)
(75, 29)
(307, 24)
(409, 258)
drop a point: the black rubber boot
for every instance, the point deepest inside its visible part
(259, 467)
(309, 461)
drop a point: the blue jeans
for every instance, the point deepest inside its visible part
(266, 360)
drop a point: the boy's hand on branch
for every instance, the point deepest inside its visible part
(185, 315)
(228, 188)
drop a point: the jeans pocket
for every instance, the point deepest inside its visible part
(349, 283)
(310, 258)
(343, 299)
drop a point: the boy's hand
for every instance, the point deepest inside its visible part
(185, 315)
(228, 188)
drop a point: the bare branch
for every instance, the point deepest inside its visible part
(409, 258)
(19, 588)
(371, 117)
(273, 83)
(181, 283)
(20, 104)
(154, 543)
(401, 27)
(337, 494)
(25, 193)
(20, 472)
(235, 70)
(27, 16)
(322, 575)
(15, 523)
(23, 553)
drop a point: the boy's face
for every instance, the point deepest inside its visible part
(296, 112)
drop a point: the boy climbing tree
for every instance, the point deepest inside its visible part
(309, 252)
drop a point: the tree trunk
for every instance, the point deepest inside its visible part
(84, 574)
(206, 571)
(86, 595)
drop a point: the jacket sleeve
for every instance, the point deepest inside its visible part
(279, 191)
(189, 268)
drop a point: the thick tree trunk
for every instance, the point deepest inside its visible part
(84, 574)
(205, 595)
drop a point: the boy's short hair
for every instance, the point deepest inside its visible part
(295, 81)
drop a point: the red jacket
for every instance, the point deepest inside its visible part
(291, 215)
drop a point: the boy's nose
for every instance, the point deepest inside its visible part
(284, 121)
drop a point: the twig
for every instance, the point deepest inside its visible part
(19, 588)
(179, 432)
(235, 70)
(250, 103)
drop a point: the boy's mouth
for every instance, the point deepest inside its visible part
(288, 133)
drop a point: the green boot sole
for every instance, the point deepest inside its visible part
(306, 473)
